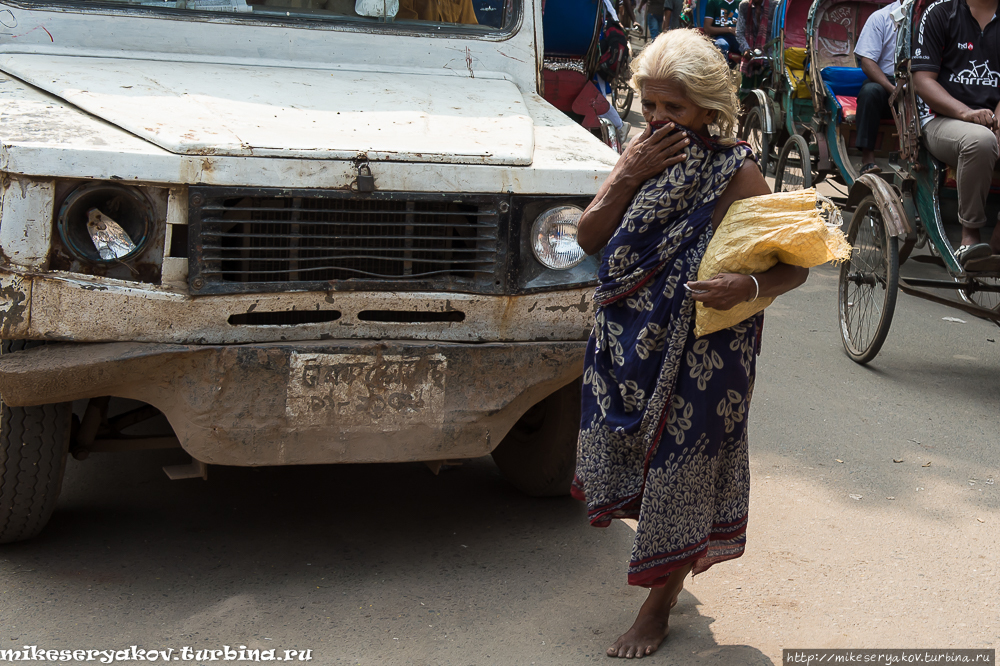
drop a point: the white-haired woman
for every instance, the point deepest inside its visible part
(663, 430)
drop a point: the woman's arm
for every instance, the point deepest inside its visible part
(728, 290)
(648, 155)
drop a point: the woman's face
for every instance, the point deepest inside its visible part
(665, 101)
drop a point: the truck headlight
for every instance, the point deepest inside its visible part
(553, 238)
(123, 214)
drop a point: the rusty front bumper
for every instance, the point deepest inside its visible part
(309, 402)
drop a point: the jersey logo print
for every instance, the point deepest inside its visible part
(965, 47)
(923, 20)
(978, 75)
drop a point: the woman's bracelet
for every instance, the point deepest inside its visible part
(757, 285)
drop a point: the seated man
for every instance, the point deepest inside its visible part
(720, 24)
(955, 73)
(876, 49)
(753, 29)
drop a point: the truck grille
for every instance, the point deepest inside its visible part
(243, 240)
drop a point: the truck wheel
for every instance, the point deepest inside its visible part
(538, 455)
(34, 442)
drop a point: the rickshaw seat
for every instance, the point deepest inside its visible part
(798, 78)
(843, 81)
(844, 84)
(848, 106)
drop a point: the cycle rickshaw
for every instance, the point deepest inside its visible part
(572, 32)
(810, 104)
(914, 203)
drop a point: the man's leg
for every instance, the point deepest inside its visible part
(972, 149)
(653, 23)
(873, 102)
(722, 44)
(734, 44)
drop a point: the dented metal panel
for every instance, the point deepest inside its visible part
(96, 310)
(44, 136)
(26, 221)
(249, 405)
(191, 109)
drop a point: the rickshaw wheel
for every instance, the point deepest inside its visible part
(753, 133)
(621, 96)
(794, 170)
(868, 282)
(984, 299)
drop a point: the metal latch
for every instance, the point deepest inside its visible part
(366, 181)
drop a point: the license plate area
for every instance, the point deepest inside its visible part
(386, 392)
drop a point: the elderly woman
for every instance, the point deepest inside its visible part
(663, 432)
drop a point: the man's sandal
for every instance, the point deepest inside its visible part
(966, 253)
(870, 168)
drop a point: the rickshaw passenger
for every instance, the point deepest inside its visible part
(753, 25)
(955, 72)
(875, 51)
(720, 24)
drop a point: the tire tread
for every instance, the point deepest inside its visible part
(34, 442)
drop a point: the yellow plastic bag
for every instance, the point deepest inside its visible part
(796, 228)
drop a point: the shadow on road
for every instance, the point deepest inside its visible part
(365, 564)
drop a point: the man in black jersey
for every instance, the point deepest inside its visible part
(956, 73)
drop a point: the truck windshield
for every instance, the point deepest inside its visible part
(485, 15)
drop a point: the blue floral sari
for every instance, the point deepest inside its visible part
(663, 430)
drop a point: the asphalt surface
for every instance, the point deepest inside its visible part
(875, 522)
(392, 565)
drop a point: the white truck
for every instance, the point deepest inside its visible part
(340, 232)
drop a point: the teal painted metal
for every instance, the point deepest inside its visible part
(833, 145)
(929, 207)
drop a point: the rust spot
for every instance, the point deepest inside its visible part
(582, 306)
(16, 309)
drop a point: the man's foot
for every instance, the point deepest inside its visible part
(642, 639)
(871, 167)
(966, 253)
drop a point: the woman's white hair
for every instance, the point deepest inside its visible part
(689, 59)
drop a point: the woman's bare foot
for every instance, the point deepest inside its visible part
(645, 635)
(651, 626)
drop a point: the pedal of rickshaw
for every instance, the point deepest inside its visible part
(984, 265)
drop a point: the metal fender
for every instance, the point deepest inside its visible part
(888, 200)
(759, 98)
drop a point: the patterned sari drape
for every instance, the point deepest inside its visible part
(663, 427)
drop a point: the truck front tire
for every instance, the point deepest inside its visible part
(34, 442)
(538, 455)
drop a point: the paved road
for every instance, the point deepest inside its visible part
(392, 565)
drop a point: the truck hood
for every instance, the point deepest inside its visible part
(210, 109)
